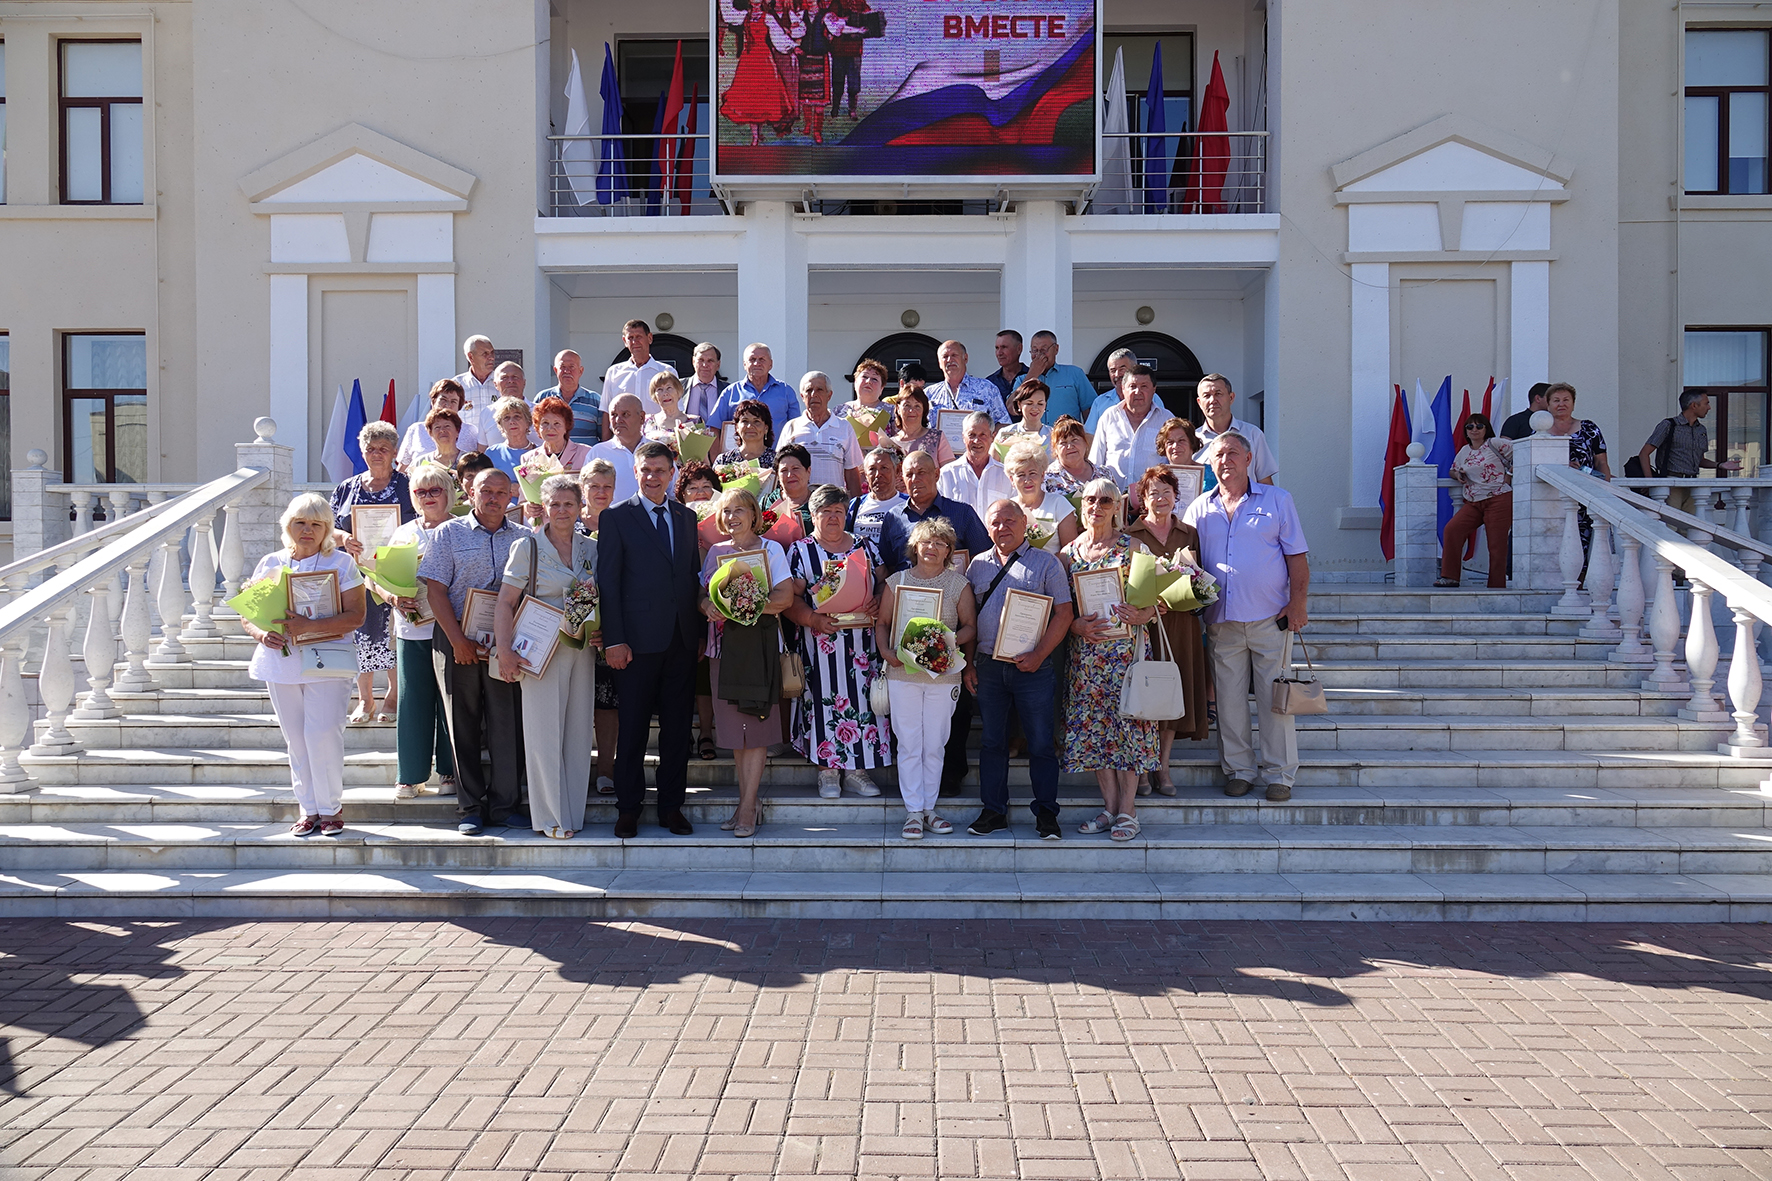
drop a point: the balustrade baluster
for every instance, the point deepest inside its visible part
(82, 505)
(1664, 631)
(100, 652)
(1631, 648)
(1569, 560)
(1701, 659)
(55, 683)
(15, 715)
(1599, 584)
(119, 500)
(202, 627)
(233, 560)
(155, 564)
(137, 630)
(171, 593)
(1741, 498)
(1744, 689)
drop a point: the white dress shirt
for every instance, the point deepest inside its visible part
(1262, 464)
(1124, 449)
(477, 398)
(834, 448)
(623, 459)
(958, 481)
(625, 377)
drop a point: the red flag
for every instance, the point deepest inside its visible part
(672, 113)
(1396, 451)
(388, 413)
(1205, 193)
(686, 155)
(1464, 416)
(1487, 394)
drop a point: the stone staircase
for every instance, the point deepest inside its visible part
(1482, 760)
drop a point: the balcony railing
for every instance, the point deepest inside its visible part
(1196, 172)
(630, 183)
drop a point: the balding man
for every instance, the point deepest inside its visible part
(477, 391)
(758, 383)
(960, 390)
(830, 440)
(626, 420)
(975, 478)
(586, 405)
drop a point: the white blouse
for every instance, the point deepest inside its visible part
(269, 665)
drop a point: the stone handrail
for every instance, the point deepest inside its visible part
(83, 543)
(1641, 534)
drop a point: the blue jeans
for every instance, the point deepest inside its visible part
(1034, 696)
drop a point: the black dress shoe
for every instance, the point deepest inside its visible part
(678, 824)
(627, 825)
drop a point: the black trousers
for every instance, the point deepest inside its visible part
(661, 683)
(483, 710)
(954, 763)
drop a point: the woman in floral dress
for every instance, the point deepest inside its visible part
(1096, 737)
(381, 484)
(833, 723)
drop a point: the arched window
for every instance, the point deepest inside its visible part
(893, 351)
(1178, 371)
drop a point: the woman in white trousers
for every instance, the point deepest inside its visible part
(923, 706)
(557, 731)
(310, 708)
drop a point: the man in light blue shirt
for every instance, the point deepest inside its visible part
(586, 405)
(1120, 363)
(1252, 543)
(1072, 391)
(760, 384)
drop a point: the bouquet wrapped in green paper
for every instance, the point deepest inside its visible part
(695, 442)
(264, 602)
(396, 576)
(736, 590)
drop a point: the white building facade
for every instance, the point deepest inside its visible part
(214, 211)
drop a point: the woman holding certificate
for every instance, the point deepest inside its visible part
(366, 509)
(1109, 635)
(1071, 468)
(544, 576)
(746, 586)
(309, 705)
(1052, 521)
(833, 723)
(422, 731)
(1162, 531)
(922, 697)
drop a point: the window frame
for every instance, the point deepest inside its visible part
(64, 104)
(1721, 396)
(1721, 94)
(108, 396)
(6, 451)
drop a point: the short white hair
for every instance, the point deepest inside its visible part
(312, 507)
(506, 367)
(563, 354)
(759, 347)
(811, 374)
(1122, 355)
(473, 342)
(978, 416)
(620, 398)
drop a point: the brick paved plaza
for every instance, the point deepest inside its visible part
(504, 1048)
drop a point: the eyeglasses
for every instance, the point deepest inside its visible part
(427, 493)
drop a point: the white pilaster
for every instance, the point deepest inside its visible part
(772, 286)
(1528, 326)
(436, 331)
(1415, 523)
(289, 363)
(1370, 373)
(1037, 281)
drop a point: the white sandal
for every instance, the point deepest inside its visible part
(1125, 828)
(935, 824)
(913, 827)
(1102, 823)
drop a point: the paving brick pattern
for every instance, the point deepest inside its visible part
(507, 1049)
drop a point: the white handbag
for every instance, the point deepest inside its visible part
(1152, 689)
(329, 660)
(879, 698)
(1298, 696)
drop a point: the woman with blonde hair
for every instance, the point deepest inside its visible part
(597, 480)
(666, 389)
(421, 733)
(381, 484)
(512, 416)
(310, 709)
(1052, 521)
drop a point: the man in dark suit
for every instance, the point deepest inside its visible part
(648, 575)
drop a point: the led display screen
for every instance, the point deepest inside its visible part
(936, 89)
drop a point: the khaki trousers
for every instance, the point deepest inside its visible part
(1241, 652)
(557, 739)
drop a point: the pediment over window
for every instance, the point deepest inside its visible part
(355, 166)
(1452, 154)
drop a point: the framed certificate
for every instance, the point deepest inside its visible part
(535, 636)
(913, 602)
(952, 424)
(1192, 481)
(1098, 591)
(729, 437)
(1022, 622)
(478, 615)
(960, 560)
(314, 595)
(373, 525)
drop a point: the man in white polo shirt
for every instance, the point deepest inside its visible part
(477, 391)
(829, 439)
(1127, 439)
(1215, 397)
(634, 375)
(975, 479)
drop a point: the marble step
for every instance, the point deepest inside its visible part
(1337, 623)
(1380, 599)
(1189, 766)
(877, 846)
(913, 894)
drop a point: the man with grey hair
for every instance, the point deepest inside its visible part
(757, 383)
(477, 391)
(959, 390)
(1120, 363)
(703, 390)
(828, 438)
(975, 478)
(586, 405)
(1071, 391)
(1251, 541)
(866, 512)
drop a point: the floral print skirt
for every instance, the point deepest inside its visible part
(1095, 736)
(832, 723)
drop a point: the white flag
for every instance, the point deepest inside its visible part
(578, 157)
(1114, 195)
(1421, 416)
(332, 452)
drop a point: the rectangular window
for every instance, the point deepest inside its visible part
(105, 408)
(1727, 73)
(5, 427)
(1729, 364)
(101, 109)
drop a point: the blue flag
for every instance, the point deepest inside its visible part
(612, 181)
(355, 419)
(1156, 150)
(1445, 448)
(654, 171)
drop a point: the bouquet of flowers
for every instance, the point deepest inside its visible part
(1191, 588)
(535, 468)
(695, 442)
(582, 613)
(870, 425)
(748, 474)
(737, 593)
(705, 508)
(778, 526)
(265, 602)
(1041, 530)
(928, 646)
(845, 584)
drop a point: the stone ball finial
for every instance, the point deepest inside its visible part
(36, 457)
(266, 428)
(1415, 451)
(1541, 422)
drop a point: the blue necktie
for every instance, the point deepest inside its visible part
(664, 526)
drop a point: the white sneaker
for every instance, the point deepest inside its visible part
(829, 785)
(860, 784)
(406, 791)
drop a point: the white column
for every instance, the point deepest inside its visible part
(1415, 524)
(1538, 514)
(1370, 373)
(436, 334)
(1037, 276)
(1529, 325)
(772, 288)
(289, 362)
